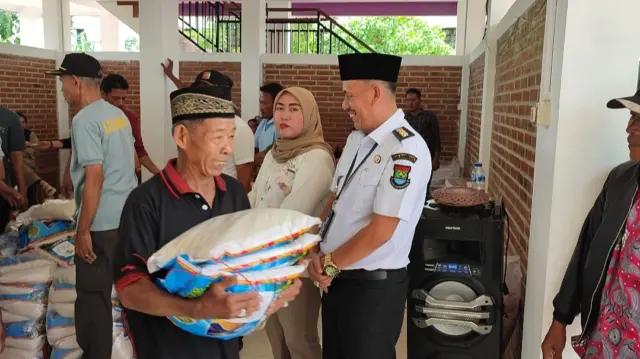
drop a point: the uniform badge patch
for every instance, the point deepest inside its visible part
(404, 156)
(400, 178)
(402, 133)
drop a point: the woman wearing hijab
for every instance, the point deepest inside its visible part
(296, 174)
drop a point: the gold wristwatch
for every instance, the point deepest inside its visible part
(329, 267)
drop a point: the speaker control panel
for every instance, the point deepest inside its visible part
(453, 268)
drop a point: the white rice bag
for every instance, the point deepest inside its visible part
(64, 353)
(56, 209)
(234, 234)
(26, 268)
(9, 244)
(122, 348)
(8, 317)
(59, 327)
(27, 335)
(63, 289)
(69, 342)
(13, 353)
(24, 301)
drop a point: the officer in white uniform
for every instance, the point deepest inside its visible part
(379, 190)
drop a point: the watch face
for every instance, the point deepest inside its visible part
(331, 271)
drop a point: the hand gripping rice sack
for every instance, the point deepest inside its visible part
(59, 326)
(268, 283)
(184, 278)
(45, 231)
(27, 301)
(26, 268)
(234, 234)
(27, 335)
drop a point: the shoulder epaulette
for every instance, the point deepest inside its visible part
(402, 133)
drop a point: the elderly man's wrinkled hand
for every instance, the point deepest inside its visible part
(286, 296)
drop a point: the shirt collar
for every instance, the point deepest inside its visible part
(178, 186)
(380, 133)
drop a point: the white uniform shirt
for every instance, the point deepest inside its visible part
(303, 183)
(243, 149)
(391, 182)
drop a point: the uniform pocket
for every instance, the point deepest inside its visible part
(367, 182)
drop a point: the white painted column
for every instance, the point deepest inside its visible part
(488, 90)
(471, 24)
(158, 20)
(498, 10)
(253, 46)
(31, 27)
(279, 42)
(584, 141)
(109, 32)
(57, 36)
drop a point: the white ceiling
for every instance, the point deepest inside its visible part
(77, 7)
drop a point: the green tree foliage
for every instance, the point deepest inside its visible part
(132, 44)
(9, 27)
(399, 35)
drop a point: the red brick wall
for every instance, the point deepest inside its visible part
(189, 70)
(24, 87)
(513, 140)
(474, 113)
(439, 86)
(518, 71)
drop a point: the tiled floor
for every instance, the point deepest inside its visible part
(256, 346)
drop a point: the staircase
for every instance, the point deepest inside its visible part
(216, 27)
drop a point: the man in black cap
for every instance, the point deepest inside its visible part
(102, 167)
(240, 163)
(190, 190)
(379, 190)
(600, 281)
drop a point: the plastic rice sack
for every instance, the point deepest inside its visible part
(13, 353)
(55, 209)
(59, 326)
(64, 279)
(122, 348)
(45, 231)
(268, 283)
(9, 244)
(234, 234)
(65, 353)
(25, 335)
(8, 317)
(24, 267)
(185, 277)
(61, 252)
(23, 301)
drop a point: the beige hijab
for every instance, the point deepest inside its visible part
(311, 136)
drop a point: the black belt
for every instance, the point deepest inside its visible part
(380, 274)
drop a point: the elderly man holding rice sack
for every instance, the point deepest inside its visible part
(379, 190)
(190, 190)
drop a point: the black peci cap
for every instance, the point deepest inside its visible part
(369, 67)
(79, 64)
(212, 78)
(193, 103)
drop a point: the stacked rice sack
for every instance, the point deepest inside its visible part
(24, 288)
(61, 332)
(261, 247)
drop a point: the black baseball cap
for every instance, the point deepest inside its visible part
(632, 102)
(212, 78)
(79, 64)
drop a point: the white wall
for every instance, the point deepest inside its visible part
(595, 59)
